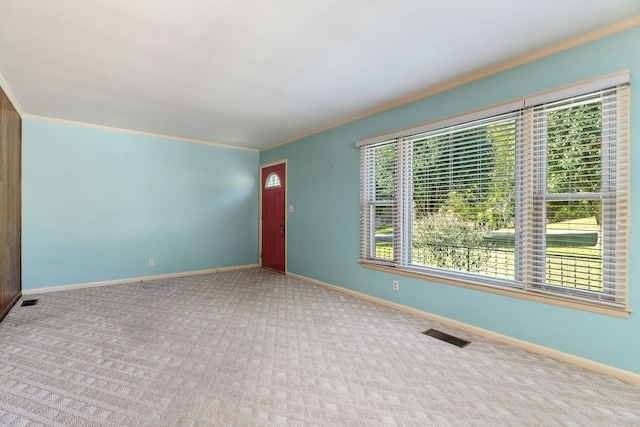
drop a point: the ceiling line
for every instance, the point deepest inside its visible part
(5, 88)
(567, 44)
(137, 132)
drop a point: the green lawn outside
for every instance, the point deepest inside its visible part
(572, 260)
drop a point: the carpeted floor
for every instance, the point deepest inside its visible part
(255, 348)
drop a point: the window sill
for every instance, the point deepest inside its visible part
(622, 313)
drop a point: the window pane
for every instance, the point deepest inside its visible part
(273, 181)
(574, 149)
(379, 190)
(464, 199)
(574, 244)
(384, 219)
(385, 172)
(385, 212)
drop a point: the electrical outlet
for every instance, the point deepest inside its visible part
(151, 262)
(395, 285)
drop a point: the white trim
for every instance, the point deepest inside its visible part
(136, 132)
(582, 88)
(5, 88)
(487, 72)
(565, 92)
(446, 122)
(591, 365)
(134, 279)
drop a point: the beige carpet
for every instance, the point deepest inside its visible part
(255, 348)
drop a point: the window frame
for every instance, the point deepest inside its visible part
(528, 223)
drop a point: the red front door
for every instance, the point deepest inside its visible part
(273, 217)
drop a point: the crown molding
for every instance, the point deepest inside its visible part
(539, 54)
(5, 88)
(136, 132)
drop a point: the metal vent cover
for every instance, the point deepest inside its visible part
(443, 336)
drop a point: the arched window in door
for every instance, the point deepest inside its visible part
(273, 181)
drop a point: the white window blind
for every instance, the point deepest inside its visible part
(579, 202)
(534, 198)
(378, 200)
(464, 192)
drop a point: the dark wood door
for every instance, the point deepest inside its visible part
(10, 203)
(273, 217)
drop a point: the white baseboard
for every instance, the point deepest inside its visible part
(591, 365)
(133, 280)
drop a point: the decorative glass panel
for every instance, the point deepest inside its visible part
(273, 181)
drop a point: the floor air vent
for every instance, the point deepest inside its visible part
(447, 338)
(29, 302)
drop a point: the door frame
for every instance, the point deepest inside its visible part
(286, 209)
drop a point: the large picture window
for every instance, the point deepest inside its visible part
(530, 195)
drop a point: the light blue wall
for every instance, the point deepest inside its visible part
(323, 229)
(98, 204)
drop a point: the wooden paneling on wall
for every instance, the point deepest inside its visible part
(10, 205)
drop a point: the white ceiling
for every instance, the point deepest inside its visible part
(253, 73)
